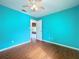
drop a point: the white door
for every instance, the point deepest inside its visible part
(39, 29)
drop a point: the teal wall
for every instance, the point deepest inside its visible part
(62, 27)
(14, 26)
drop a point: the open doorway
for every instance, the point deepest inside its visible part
(36, 30)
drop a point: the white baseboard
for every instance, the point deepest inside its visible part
(14, 46)
(61, 45)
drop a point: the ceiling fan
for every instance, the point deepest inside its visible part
(33, 5)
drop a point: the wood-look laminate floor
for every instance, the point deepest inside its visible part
(39, 50)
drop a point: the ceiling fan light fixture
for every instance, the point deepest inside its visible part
(35, 8)
(34, 5)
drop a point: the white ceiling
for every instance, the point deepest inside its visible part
(51, 6)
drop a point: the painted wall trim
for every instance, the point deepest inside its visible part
(61, 45)
(14, 46)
